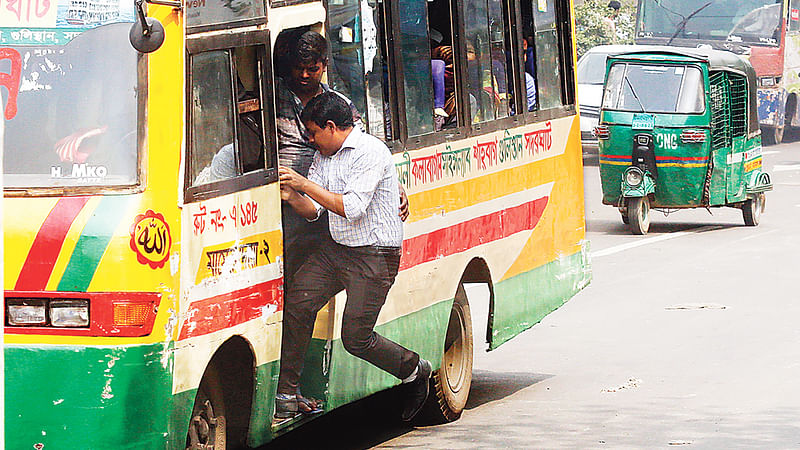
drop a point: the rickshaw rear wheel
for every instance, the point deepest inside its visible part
(451, 383)
(751, 210)
(638, 214)
(624, 214)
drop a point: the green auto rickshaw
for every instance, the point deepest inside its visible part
(678, 128)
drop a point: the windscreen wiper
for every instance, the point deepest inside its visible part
(633, 91)
(683, 22)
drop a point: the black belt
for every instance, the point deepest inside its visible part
(379, 249)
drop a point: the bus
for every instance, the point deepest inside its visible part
(143, 286)
(767, 32)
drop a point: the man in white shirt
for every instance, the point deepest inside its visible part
(354, 178)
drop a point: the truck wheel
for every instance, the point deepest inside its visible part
(639, 215)
(452, 381)
(207, 427)
(773, 135)
(751, 210)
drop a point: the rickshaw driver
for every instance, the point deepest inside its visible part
(352, 176)
(304, 64)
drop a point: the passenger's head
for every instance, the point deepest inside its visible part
(614, 6)
(328, 119)
(308, 59)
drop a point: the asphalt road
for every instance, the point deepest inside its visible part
(687, 337)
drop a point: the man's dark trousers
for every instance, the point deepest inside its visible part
(366, 274)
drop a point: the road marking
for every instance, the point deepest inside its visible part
(652, 240)
(770, 152)
(763, 233)
(783, 168)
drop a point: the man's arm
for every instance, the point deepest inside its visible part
(296, 182)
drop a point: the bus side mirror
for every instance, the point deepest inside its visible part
(147, 33)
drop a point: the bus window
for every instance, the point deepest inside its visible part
(443, 64)
(84, 104)
(416, 66)
(540, 21)
(212, 151)
(794, 15)
(357, 68)
(487, 60)
(226, 115)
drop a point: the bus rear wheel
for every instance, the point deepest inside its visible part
(208, 427)
(452, 381)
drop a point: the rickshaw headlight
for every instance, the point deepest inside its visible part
(633, 177)
(69, 313)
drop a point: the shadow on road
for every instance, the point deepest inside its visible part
(617, 228)
(374, 420)
(491, 386)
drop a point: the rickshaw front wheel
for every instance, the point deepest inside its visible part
(773, 135)
(751, 210)
(624, 214)
(638, 214)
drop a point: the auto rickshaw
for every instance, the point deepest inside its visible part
(679, 129)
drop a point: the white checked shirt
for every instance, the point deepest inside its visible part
(364, 173)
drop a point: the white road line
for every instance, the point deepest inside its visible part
(782, 168)
(770, 152)
(651, 240)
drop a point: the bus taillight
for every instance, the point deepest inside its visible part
(126, 314)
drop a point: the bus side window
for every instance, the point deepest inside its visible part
(227, 134)
(542, 20)
(415, 59)
(357, 66)
(488, 60)
(211, 148)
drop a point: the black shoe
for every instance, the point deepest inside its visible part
(285, 407)
(417, 391)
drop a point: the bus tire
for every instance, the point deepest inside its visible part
(751, 210)
(639, 215)
(452, 381)
(773, 135)
(208, 427)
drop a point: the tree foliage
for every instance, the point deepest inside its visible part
(591, 29)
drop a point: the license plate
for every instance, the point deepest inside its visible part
(643, 122)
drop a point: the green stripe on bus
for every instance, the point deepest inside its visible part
(80, 397)
(93, 242)
(524, 300)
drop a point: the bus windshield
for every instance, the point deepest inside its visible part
(654, 88)
(745, 21)
(76, 110)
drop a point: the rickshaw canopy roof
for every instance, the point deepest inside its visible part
(717, 60)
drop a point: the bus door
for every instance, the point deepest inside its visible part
(231, 280)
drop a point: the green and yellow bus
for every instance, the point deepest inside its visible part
(144, 288)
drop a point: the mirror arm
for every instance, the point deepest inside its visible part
(143, 17)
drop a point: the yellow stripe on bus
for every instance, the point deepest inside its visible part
(70, 241)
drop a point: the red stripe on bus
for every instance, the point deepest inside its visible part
(47, 244)
(231, 308)
(465, 235)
